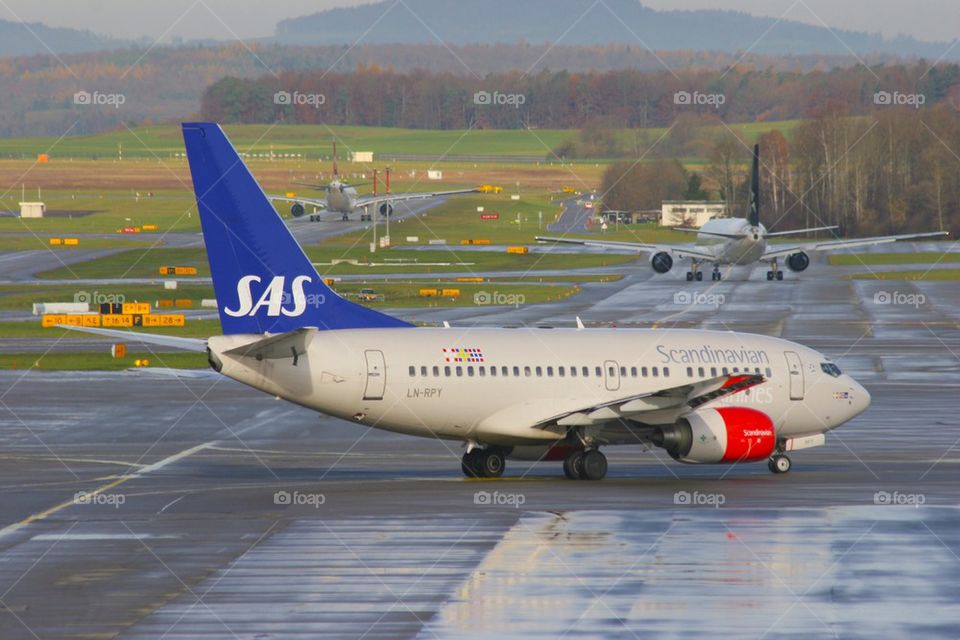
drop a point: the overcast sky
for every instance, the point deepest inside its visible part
(222, 19)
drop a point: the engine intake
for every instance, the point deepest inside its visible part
(661, 262)
(386, 209)
(297, 210)
(798, 261)
(725, 434)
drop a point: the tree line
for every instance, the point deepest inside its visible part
(629, 98)
(886, 173)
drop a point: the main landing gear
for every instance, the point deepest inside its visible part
(717, 276)
(585, 465)
(483, 463)
(775, 273)
(779, 463)
(694, 273)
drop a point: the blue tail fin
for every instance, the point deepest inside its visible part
(263, 281)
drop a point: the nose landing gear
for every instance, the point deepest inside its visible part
(717, 275)
(775, 273)
(779, 463)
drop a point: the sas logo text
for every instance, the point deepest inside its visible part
(274, 297)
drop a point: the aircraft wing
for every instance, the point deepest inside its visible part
(638, 407)
(830, 245)
(373, 201)
(175, 342)
(679, 250)
(313, 202)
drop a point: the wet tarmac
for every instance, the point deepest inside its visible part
(139, 505)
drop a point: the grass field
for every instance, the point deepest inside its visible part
(146, 264)
(918, 274)
(99, 361)
(922, 257)
(314, 141)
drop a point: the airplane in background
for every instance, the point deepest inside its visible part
(704, 397)
(740, 241)
(343, 198)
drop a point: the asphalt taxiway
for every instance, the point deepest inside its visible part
(140, 505)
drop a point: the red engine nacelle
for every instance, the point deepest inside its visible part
(725, 434)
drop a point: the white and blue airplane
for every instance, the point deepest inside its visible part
(740, 241)
(536, 394)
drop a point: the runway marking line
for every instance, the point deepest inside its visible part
(36, 517)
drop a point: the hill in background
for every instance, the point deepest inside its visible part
(32, 38)
(584, 22)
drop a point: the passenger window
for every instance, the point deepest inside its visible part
(656, 373)
(549, 372)
(436, 372)
(562, 372)
(689, 372)
(483, 372)
(573, 372)
(413, 371)
(526, 371)
(643, 372)
(516, 372)
(446, 371)
(423, 372)
(623, 372)
(493, 372)
(633, 372)
(769, 373)
(539, 372)
(700, 372)
(505, 372)
(725, 371)
(459, 372)
(611, 371)
(599, 372)
(666, 372)
(713, 372)
(586, 372)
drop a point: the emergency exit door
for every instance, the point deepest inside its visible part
(376, 376)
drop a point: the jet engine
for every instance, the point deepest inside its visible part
(798, 261)
(661, 262)
(386, 209)
(725, 434)
(297, 210)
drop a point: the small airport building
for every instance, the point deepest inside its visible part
(32, 209)
(690, 213)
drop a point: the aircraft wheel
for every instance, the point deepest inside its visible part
(573, 465)
(769, 275)
(470, 464)
(699, 276)
(689, 276)
(594, 465)
(491, 464)
(779, 464)
(779, 275)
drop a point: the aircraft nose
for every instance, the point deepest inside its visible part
(860, 398)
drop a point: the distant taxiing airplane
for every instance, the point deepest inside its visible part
(343, 198)
(532, 394)
(740, 241)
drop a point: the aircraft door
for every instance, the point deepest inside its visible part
(376, 376)
(611, 374)
(795, 369)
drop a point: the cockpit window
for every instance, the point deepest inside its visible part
(831, 369)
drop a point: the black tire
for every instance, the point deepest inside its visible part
(573, 465)
(779, 275)
(689, 276)
(699, 276)
(470, 464)
(594, 465)
(769, 275)
(491, 464)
